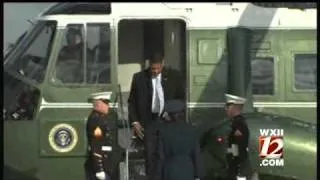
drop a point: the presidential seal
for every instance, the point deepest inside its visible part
(63, 138)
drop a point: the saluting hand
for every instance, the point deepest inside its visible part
(237, 133)
(97, 132)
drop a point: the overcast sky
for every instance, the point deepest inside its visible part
(16, 16)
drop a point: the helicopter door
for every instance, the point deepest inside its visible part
(81, 65)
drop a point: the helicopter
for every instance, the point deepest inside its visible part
(212, 44)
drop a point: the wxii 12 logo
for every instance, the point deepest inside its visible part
(271, 147)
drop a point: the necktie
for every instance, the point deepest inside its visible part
(157, 98)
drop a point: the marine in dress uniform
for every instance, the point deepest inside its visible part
(238, 139)
(178, 147)
(100, 164)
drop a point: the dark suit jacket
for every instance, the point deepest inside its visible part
(179, 155)
(140, 98)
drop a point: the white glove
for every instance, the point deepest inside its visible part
(241, 178)
(101, 175)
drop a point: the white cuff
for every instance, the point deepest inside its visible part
(101, 175)
(241, 178)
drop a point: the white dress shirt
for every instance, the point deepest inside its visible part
(157, 95)
(157, 90)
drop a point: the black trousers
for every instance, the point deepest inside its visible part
(150, 144)
(232, 172)
(91, 174)
(239, 167)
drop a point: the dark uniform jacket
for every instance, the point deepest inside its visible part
(101, 156)
(239, 135)
(140, 98)
(178, 152)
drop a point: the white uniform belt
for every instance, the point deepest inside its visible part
(103, 148)
(229, 150)
(106, 148)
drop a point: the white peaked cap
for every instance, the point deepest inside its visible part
(102, 95)
(234, 99)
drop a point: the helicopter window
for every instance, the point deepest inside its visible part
(98, 62)
(70, 63)
(262, 76)
(12, 45)
(32, 57)
(305, 70)
(75, 66)
(20, 99)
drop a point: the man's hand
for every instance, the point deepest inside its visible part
(137, 126)
(138, 129)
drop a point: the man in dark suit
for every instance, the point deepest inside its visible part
(150, 89)
(178, 148)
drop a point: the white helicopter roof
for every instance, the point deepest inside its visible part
(202, 15)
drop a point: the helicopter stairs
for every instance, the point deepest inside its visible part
(132, 167)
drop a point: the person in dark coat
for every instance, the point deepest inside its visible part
(238, 140)
(70, 59)
(178, 147)
(74, 48)
(101, 163)
(150, 89)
